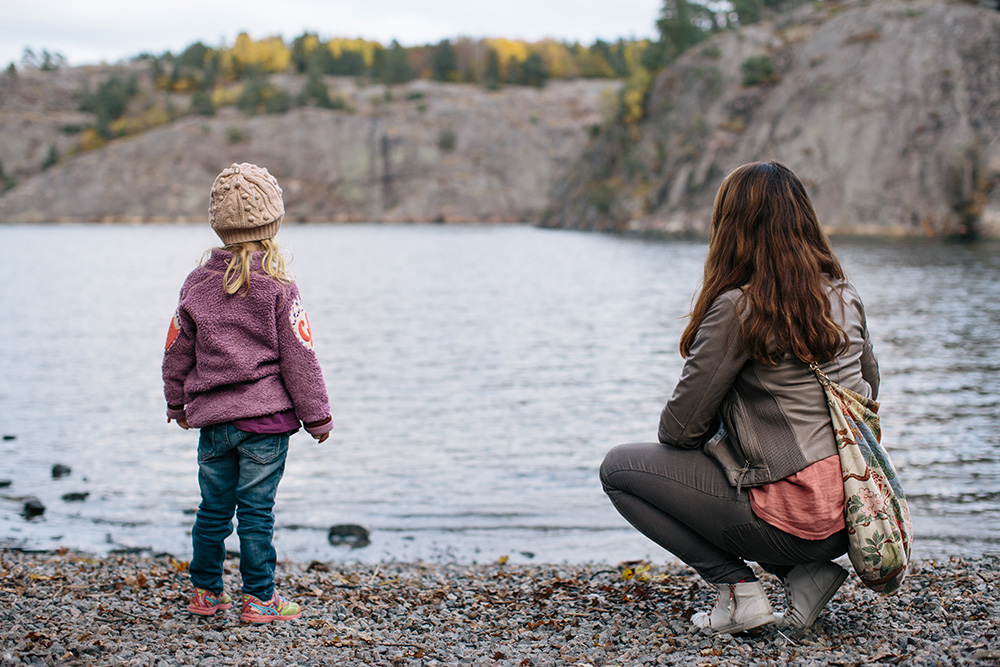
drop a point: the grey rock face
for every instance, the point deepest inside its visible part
(888, 111)
(424, 152)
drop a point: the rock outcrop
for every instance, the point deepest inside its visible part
(423, 151)
(889, 112)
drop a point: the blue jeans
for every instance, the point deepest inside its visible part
(681, 499)
(238, 473)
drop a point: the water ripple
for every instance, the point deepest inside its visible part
(478, 375)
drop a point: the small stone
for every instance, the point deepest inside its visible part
(4, 483)
(76, 496)
(349, 534)
(60, 470)
(33, 507)
(8, 436)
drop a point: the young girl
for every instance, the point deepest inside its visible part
(747, 466)
(239, 364)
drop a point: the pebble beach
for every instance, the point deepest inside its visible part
(69, 608)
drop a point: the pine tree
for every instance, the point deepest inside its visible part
(491, 77)
(444, 63)
(397, 66)
(535, 73)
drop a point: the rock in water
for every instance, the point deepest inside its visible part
(75, 497)
(59, 470)
(350, 535)
(33, 507)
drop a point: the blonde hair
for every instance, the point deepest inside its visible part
(238, 271)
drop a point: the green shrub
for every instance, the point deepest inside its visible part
(251, 98)
(278, 100)
(235, 135)
(447, 140)
(52, 158)
(7, 181)
(712, 51)
(109, 101)
(317, 92)
(601, 198)
(201, 103)
(337, 102)
(758, 70)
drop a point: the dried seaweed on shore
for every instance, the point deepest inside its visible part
(73, 609)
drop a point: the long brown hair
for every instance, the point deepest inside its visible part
(766, 241)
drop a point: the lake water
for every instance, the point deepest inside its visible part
(477, 375)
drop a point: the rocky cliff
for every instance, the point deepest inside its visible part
(889, 112)
(423, 151)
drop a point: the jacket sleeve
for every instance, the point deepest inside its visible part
(300, 369)
(706, 378)
(178, 360)
(869, 363)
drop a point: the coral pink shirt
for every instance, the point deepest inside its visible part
(809, 504)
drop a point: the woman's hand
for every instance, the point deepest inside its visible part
(321, 438)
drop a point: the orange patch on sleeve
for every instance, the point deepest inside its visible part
(173, 331)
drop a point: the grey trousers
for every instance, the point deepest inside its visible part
(680, 499)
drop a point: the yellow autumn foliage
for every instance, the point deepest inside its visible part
(594, 65)
(150, 118)
(506, 50)
(365, 48)
(270, 54)
(309, 43)
(91, 140)
(225, 96)
(558, 59)
(155, 116)
(634, 95)
(633, 54)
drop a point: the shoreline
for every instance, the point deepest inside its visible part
(72, 608)
(860, 234)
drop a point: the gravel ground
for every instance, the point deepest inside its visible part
(67, 608)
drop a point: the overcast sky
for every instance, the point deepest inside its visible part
(111, 30)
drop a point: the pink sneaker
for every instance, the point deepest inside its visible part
(275, 609)
(206, 603)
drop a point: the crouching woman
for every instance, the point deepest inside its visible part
(746, 468)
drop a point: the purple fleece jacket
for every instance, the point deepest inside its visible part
(243, 355)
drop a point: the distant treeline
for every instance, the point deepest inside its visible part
(206, 71)
(492, 62)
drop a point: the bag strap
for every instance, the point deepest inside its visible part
(822, 377)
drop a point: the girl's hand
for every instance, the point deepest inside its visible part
(181, 421)
(322, 437)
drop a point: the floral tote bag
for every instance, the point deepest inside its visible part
(879, 529)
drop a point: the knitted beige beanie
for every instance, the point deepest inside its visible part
(245, 204)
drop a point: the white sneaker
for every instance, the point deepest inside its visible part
(740, 607)
(808, 588)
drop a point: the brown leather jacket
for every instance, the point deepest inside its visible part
(763, 423)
